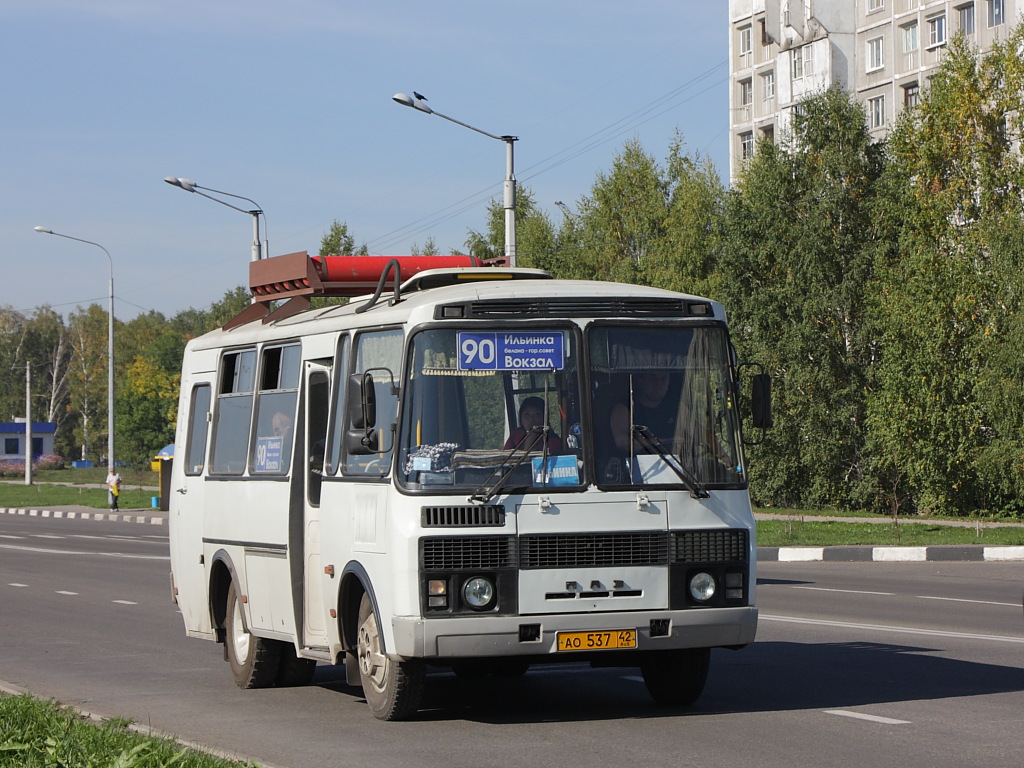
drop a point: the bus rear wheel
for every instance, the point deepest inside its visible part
(393, 689)
(254, 661)
(676, 677)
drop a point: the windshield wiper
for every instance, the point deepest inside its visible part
(485, 493)
(649, 440)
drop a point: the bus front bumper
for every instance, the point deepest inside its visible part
(483, 636)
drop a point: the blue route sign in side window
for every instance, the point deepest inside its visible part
(512, 351)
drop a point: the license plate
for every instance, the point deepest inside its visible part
(597, 641)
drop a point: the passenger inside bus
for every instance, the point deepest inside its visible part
(531, 422)
(651, 408)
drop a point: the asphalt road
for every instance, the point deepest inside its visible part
(908, 664)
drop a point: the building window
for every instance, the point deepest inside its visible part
(746, 93)
(744, 41)
(875, 5)
(911, 95)
(803, 62)
(910, 38)
(746, 145)
(768, 86)
(876, 112)
(11, 446)
(966, 14)
(996, 13)
(937, 31)
(876, 56)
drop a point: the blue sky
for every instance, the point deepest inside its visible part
(289, 103)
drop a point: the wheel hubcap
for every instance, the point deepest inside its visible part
(372, 663)
(239, 637)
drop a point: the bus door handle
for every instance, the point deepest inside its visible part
(182, 491)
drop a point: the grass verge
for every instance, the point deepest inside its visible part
(798, 533)
(44, 734)
(43, 495)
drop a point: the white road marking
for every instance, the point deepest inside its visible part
(9, 536)
(75, 552)
(65, 592)
(847, 591)
(862, 716)
(123, 602)
(47, 536)
(15, 584)
(963, 600)
(889, 628)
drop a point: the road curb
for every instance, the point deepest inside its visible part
(942, 553)
(74, 514)
(839, 554)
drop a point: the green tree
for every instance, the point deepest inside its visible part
(338, 242)
(535, 235)
(945, 414)
(798, 260)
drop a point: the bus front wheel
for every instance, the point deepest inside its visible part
(254, 661)
(676, 677)
(393, 689)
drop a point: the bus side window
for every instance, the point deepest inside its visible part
(381, 352)
(234, 412)
(198, 426)
(275, 410)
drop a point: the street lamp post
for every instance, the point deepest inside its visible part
(258, 251)
(110, 344)
(418, 101)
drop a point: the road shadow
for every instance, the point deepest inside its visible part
(765, 677)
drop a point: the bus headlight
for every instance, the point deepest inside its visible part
(478, 592)
(702, 587)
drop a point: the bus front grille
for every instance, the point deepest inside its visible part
(553, 306)
(594, 549)
(463, 515)
(455, 553)
(721, 546)
(569, 550)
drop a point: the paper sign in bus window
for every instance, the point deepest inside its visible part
(269, 452)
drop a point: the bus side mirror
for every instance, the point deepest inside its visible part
(361, 407)
(761, 401)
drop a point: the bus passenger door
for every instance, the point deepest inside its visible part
(318, 396)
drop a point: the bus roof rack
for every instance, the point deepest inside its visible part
(297, 277)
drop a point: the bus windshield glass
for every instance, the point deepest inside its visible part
(492, 410)
(665, 410)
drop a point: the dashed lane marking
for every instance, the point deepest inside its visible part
(15, 584)
(964, 600)
(869, 718)
(123, 602)
(891, 628)
(847, 591)
(65, 592)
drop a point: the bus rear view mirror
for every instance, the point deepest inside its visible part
(361, 442)
(761, 401)
(362, 401)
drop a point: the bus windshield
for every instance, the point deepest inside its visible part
(492, 410)
(665, 409)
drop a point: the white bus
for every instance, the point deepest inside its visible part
(353, 484)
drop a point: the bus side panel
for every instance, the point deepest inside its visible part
(238, 518)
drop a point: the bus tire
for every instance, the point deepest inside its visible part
(254, 661)
(294, 671)
(393, 689)
(676, 677)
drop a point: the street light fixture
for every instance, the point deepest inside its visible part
(110, 344)
(258, 251)
(419, 102)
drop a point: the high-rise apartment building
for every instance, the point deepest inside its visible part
(884, 51)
